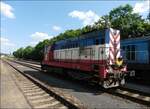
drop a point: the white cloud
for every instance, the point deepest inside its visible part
(33, 43)
(141, 7)
(6, 10)
(39, 36)
(5, 42)
(88, 17)
(56, 28)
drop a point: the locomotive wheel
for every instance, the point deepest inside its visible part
(107, 83)
(122, 82)
(110, 83)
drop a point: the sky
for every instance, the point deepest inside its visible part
(26, 23)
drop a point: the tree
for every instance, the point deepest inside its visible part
(102, 23)
(19, 53)
(38, 50)
(27, 52)
(126, 21)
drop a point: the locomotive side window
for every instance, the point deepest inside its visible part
(102, 41)
(89, 42)
(83, 43)
(96, 42)
(123, 48)
(128, 52)
(68, 46)
(133, 52)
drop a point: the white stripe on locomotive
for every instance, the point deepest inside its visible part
(94, 52)
(114, 39)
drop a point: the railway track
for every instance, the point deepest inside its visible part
(40, 95)
(131, 94)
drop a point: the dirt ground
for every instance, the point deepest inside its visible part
(11, 96)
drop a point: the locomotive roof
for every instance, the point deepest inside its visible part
(91, 34)
(144, 38)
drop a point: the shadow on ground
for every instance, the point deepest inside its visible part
(66, 83)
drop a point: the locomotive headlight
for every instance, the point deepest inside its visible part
(119, 61)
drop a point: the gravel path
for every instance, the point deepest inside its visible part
(11, 96)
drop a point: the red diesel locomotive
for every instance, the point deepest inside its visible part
(94, 55)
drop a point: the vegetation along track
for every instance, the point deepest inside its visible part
(40, 95)
(128, 93)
